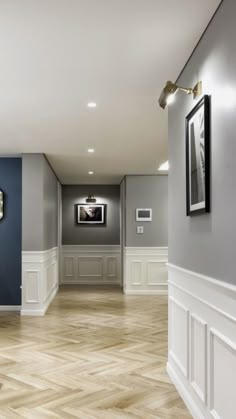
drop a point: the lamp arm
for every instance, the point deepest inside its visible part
(196, 91)
(187, 90)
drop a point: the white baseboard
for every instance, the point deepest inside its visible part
(98, 283)
(39, 281)
(10, 308)
(43, 310)
(145, 270)
(202, 343)
(189, 402)
(146, 292)
(90, 265)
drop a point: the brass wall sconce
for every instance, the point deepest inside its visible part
(170, 89)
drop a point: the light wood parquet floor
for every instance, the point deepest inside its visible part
(95, 354)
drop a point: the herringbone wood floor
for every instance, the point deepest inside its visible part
(96, 354)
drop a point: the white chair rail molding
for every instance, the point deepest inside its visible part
(202, 343)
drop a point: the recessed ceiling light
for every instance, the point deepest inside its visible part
(92, 105)
(164, 166)
(91, 150)
(90, 173)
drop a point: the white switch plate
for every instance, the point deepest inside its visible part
(140, 229)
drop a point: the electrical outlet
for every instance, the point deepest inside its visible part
(139, 229)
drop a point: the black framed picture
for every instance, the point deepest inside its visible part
(1, 205)
(90, 214)
(198, 158)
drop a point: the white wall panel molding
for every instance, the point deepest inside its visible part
(208, 384)
(39, 280)
(90, 249)
(219, 295)
(91, 264)
(179, 344)
(40, 256)
(145, 270)
(149, 251)
(198, 356)
(184, 393)
(222, 375)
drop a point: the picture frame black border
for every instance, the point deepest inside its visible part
(3, 205)
(205, 101)
(97, 224)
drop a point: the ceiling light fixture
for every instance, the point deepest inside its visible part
(164, 166)
(92, 105)
(91, 150)
(90, 173)
(170, 90)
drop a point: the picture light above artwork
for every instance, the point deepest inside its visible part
(170, 90)
(91, 198)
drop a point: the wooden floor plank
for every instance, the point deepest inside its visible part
(96, 354)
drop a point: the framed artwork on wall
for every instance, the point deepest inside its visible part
(1, 205)
(91, 214)
(143, 214)
(198, 158)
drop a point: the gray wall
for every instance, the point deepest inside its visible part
(206, 243)
(147, 192)
(50, 207)
(74, 234)
(39, 204)
(123, 223)
(32, 202)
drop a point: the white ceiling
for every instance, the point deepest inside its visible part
(57, 55)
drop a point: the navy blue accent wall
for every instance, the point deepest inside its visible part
(11, 231)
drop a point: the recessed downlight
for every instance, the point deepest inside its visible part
(91, 150)
(90, 172)
(92, 105)
(164, 167)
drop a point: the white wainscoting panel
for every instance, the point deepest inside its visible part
(178, 345)
(90, 265)
(145, 270)
(222, 375)
(198, 356)
(202, 343)
(39, 281)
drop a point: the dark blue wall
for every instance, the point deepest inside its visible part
(10, 231)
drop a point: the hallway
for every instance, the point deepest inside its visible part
(96, 354)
